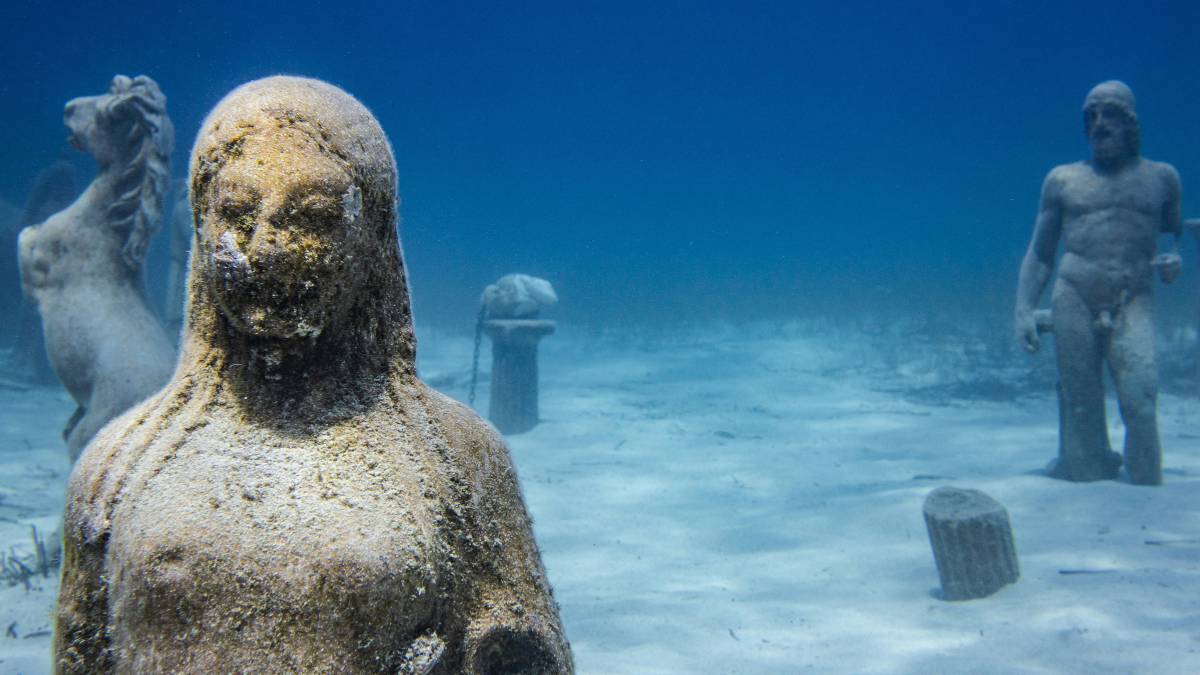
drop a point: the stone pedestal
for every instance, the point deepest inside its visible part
(513, 407)
(972, 543)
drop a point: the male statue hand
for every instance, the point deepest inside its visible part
(1027, 332)
(1169, 266)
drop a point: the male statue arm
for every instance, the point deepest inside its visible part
(1038, 264)
(1169, 264)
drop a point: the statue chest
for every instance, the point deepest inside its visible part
(1137, 193)
(273, 545)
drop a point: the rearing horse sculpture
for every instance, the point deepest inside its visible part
(82, 267)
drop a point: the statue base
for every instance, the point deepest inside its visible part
(513, 407)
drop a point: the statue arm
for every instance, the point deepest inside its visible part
(1172, 222)
(81, 644)
(512, 624)
(1169, 264)
(1038, 263)
(515, 624)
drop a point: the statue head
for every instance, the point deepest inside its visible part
(114, 125)
(128, 132)
(293, 187)
(1110, 122)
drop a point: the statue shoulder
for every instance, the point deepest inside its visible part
(1060, 178)
(1065, 173)
(473, 447)
(462, 426)
(101, 471)
(1164, 171)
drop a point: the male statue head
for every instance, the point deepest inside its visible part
(1111, 124)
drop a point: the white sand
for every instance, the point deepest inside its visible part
(33, 473)
(748, 502)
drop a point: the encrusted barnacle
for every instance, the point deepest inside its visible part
(352, 203)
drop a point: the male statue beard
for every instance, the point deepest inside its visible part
(1108, 211)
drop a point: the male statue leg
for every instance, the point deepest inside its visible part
(1084, 453)
(1131, 361)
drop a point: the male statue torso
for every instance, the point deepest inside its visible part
(1110, 227)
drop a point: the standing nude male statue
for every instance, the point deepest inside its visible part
(1109, 211)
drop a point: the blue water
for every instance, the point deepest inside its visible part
(666, 160)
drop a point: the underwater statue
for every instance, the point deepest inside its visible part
(296, 500)
(82, 267)
(1109, 212)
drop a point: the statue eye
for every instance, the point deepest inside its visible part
(1114, 112)
(236, 211)
(314, 211)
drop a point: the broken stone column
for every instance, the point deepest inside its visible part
(972, 543)
(513, 406)
(508, 314)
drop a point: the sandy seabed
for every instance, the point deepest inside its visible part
(749, 501)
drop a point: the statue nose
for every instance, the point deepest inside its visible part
(73, 106)
(266, 242)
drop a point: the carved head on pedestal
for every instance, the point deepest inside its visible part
(517, 296)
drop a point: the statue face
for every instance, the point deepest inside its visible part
(280, 224)
(1111, 130)
(80, 116)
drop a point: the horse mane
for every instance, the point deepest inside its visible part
(138, 108)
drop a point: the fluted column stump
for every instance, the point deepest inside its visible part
(972, 543)
(513, 406)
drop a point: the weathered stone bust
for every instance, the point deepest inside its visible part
(82, 267)
(296, 500)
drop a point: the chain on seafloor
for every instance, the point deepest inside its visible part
(475, 359)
